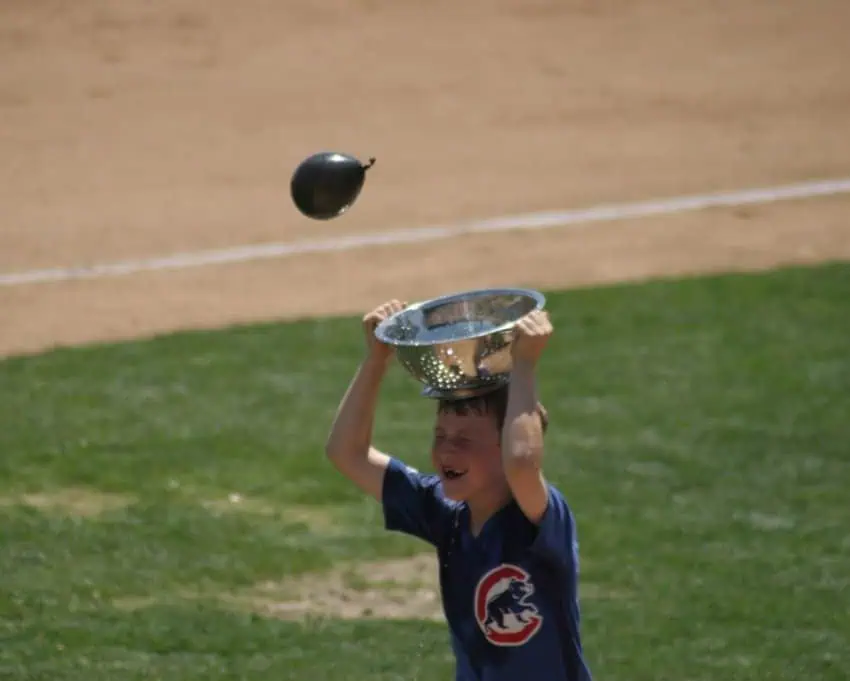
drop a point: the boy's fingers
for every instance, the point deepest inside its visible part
(392, 305)
(534, 325)
(544, 324)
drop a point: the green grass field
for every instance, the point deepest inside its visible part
(700, 430)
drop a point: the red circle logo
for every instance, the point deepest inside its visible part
(502, 606)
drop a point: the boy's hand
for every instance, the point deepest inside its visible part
(532, 334)
(377, 349)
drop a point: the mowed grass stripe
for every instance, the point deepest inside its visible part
(699, 429)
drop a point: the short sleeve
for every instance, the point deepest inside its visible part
(413, 504)
(556, 533)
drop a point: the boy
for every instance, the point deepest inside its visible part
(505, 538)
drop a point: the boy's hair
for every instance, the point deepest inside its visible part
(494, 402)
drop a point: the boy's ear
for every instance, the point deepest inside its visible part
(544, 416)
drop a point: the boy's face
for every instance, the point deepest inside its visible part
(466, 453)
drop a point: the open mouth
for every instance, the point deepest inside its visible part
(452, 473)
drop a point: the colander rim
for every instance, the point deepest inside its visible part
(380, 331)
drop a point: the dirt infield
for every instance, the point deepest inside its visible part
(140, 129)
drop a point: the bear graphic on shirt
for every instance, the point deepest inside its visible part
(503, 610)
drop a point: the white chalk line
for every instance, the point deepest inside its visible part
(544, 220)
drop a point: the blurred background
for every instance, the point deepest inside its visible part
(138, 129)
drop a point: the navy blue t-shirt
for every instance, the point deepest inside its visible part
(509, 594)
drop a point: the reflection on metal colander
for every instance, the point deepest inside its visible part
(459, 345)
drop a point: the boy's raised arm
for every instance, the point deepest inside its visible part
(522, 437)
(349, 444)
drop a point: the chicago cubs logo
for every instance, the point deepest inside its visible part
(502, 609)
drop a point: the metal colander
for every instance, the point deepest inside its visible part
(459, 345)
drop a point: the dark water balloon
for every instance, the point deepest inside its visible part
(327, 184)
